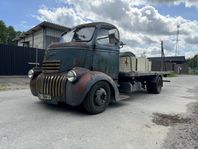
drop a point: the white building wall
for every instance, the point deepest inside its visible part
(29, 39)
(37, 42)
(38, 39)
(42, 38)
(26, 39)
(53, 32)
(20, 43)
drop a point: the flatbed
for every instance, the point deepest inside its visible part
(142, 74)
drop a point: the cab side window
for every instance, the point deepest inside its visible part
(104, 36)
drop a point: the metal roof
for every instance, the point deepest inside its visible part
(97, 24)
(170, 58)
(43, 25)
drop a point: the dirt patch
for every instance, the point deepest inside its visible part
(13, 83)
(169, 120)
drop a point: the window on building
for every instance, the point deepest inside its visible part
(26, 44)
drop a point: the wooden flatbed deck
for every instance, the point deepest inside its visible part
(143, 74)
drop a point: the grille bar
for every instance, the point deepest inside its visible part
(51, 85)
(50, 66)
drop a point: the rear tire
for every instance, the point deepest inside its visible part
(155, 86)
(98, 98)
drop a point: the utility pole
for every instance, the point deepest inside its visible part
(163, 66)
(177, 41)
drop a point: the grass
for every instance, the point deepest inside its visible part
(4, 87)
(172, 74)
(194, 72)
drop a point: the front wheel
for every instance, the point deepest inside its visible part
(98, 98)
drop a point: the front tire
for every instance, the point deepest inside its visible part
(98, 98)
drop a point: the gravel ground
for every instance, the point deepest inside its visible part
(185, 135)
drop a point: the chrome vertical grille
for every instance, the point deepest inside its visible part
(51, 85)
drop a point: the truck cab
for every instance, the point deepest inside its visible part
(83, 69)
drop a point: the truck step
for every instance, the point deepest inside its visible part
(122, 96)
(166, 81)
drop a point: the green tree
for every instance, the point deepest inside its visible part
(11, 34)
(7, 34)
(192, 62)
(2, 32)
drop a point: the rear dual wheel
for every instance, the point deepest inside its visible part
(98, 98)
(155, 85)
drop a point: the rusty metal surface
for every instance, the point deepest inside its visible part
(51, 66)
(92, 63)
(57, 86)
(96, 24)
(51, 84)
(70, 57)
(90, 55)
(70, 44)
(76, 92)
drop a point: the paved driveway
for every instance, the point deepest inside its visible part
(138, 122)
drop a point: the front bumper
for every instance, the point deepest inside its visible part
(49, 87)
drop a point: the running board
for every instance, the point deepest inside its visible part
(122, 97)
(166, 81)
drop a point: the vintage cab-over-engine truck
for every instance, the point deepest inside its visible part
(86, 68)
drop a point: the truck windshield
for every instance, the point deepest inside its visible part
(78, 35)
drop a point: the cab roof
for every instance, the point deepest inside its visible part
(97, 24)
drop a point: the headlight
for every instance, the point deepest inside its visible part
(71, 76)
(30, 73)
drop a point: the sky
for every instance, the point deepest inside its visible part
(142, 23)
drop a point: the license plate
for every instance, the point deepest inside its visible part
(45, 97)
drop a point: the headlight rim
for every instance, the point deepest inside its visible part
(69, 78)
(30, 73)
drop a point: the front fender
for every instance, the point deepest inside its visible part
(77, 91)
(37, 71)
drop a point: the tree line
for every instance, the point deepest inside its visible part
(193, 62)
(7, 34)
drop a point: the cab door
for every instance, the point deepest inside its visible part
(106, 53)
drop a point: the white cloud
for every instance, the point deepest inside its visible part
(63, 16)
(142, 28)
(187, 3)
(192, 40)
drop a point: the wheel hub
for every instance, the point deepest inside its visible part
(100, 96)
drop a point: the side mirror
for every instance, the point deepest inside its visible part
(113, 36)
(122, 44)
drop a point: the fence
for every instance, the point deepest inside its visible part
(178, 68)
(15, 60)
